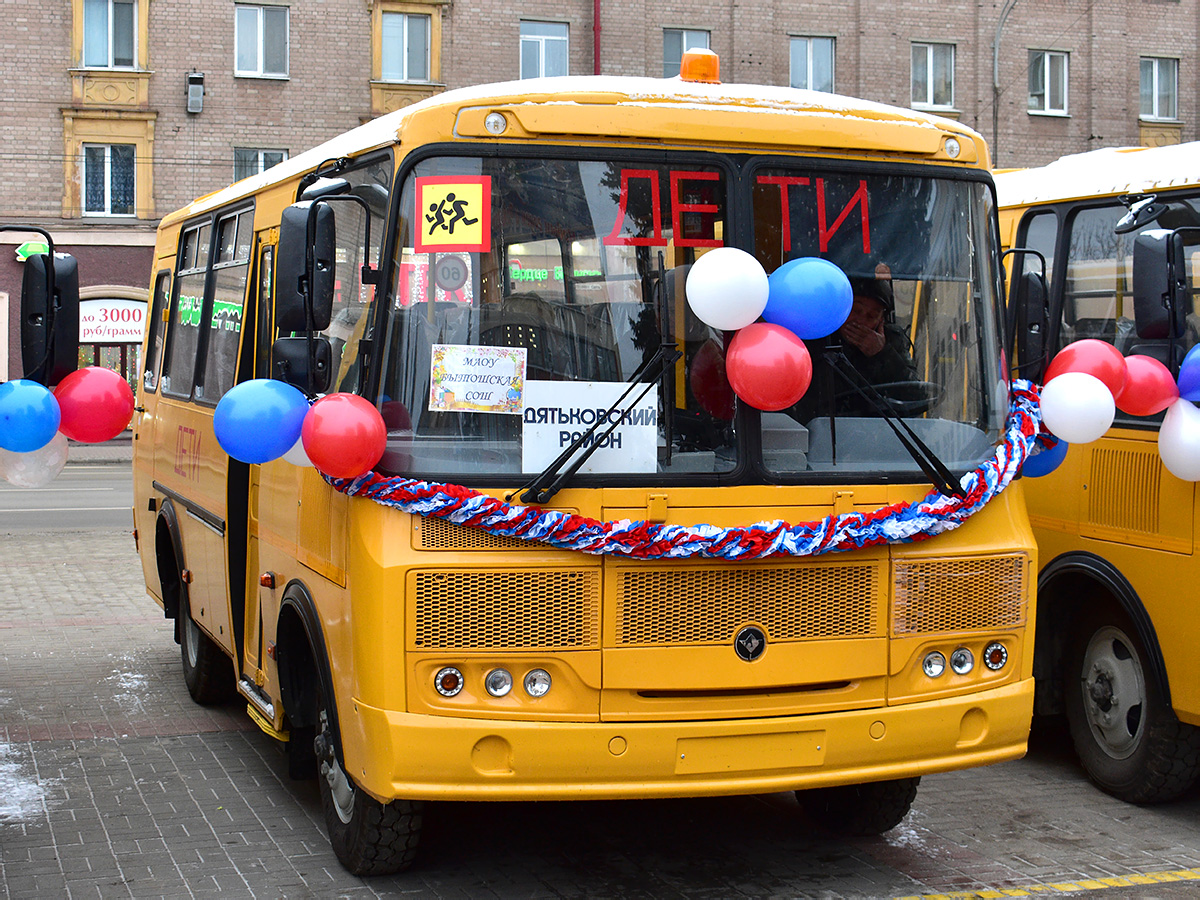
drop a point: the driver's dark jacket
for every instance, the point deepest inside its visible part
(894, 363)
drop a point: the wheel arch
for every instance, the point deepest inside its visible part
(302, 658)
(1063, 597)
(169, 562)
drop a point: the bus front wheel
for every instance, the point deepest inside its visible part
(368, 837)
(207, 671)
(1127, 739)
(860, 810)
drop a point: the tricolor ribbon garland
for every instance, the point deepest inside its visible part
(895, 524)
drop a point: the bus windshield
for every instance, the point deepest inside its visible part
(573, 271)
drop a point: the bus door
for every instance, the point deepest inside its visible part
(146, 415)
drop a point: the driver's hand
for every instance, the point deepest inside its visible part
(869, 341)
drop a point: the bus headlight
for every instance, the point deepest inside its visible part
(498, 682)
(934, 664)
(537, 683)
(962, 661)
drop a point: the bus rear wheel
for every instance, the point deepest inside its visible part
(1127, 739)
(207, 671)
(368, 837)
(860, 810)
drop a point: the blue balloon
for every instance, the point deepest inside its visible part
(259, 420)
(1044, 459)
(810, 297)
(1189, 375)
(29, 416)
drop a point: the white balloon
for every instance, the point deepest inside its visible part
(1077, 407)
(1179, 440)
(727, 288)
(296, 456)
(37, 468)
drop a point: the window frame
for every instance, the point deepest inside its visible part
(684, 33)
(260, 11)
(1043, 60)
(85, 168)
(259, 160)
(541, 41)
(406, 76)
(808, 40)
(1157, 62)
(929, 48)
(160, 301)
(110, 29)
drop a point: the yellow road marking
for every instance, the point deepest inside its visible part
(1065, 887)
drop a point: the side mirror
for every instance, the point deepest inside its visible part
(306, 269)
(50, 318)
(1159, 285)
(294, 364)
(1028, 319)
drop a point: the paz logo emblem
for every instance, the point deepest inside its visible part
(750, 643)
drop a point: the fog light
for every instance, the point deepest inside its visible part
(537, 683)
(934, 664)
(995, 656)
(448, 681)
(962, 661)
(498, 682)
(495, 123)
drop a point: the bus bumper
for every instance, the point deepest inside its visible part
(400, 755)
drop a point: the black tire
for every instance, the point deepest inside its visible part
(1129, 742)
(207, 671)
(368, 837)
(860, 810)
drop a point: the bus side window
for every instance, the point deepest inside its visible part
(1098, 291)
(183, 327)
(223, 327)
(156, 325)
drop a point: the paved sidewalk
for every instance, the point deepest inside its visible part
(113, 784)
(118, 450)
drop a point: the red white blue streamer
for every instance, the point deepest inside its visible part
(895, 524)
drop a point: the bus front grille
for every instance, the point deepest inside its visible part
(971, 593)
(528, 609)
(671, 606)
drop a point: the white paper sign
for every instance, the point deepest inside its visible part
(558, 412)
(466, 378)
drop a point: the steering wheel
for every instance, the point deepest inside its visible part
(905, 398)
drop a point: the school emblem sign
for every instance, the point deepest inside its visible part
(455, 214)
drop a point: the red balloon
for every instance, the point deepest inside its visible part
(1149, 387)
(343, 435)
(1094, 357)
(768, 366)
(709, 382)
(96, 404)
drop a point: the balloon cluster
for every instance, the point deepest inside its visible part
(91, 405)
(766, 362)
(341, 435)
(1089, 380)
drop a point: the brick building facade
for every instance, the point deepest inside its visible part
(100, 142)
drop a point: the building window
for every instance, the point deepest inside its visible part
(1047, 82)
(261, 41)
(247, 162)
(1159, 88)
(933, 75)
(812, 63)
(108, 34)
(108, 179)
(405, 47)
(677, 40)
(543, 49)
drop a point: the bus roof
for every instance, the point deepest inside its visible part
(641, 108)
(1105, 172)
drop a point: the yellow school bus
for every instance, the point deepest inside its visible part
(1115, 529)
(406, 654)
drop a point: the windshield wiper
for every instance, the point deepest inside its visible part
(933, 468)
(536, 491)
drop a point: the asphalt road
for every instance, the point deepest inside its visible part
(83, 496)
